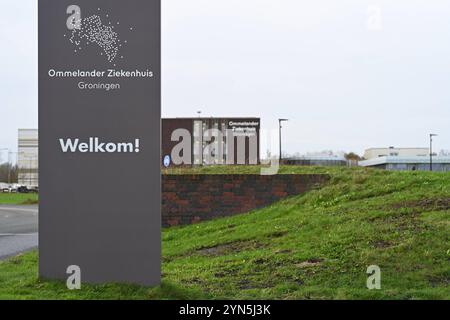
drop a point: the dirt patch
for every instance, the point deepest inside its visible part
(226, 273)
(424, 205)
(244, 285)
(260, 261)
(233, 247)
(381, 244)
(195, 281)
(283, 251)
(437, 281)
(309, 263)
(409, 220)
(403, 223)
(276, 234)
(269, 263)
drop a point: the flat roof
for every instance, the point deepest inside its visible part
(402, 160)
(407, 148)
(321, 158)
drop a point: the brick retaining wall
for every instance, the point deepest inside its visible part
(191, 198)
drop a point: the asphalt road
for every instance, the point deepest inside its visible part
(18, 229)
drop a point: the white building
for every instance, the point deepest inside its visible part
(27, 157)
(396, 152)
(419, 163)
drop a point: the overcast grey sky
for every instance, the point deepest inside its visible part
(349, 74)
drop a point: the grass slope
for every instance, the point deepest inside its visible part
(313, 246)
(18, 198)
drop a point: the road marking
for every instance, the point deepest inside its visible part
(17, 234)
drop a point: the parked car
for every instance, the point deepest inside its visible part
(34, 190)
(23, 189)
(9, 190)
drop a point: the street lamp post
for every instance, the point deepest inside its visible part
(280, 121)
(431, 150)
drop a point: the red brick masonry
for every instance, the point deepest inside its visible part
(191, 198)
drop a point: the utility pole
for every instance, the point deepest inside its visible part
(431, 150)
(280, 121)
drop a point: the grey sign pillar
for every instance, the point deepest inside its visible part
(99, 140)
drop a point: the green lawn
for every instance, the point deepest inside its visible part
(18, 198)
(313, 246)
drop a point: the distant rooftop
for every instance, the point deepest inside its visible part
(404, 160)
(405, 148)
(324, 158)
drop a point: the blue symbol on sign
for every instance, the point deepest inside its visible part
(166, 161)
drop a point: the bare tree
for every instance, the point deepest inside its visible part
(9, 173)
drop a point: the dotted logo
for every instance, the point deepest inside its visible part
(96, 29)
